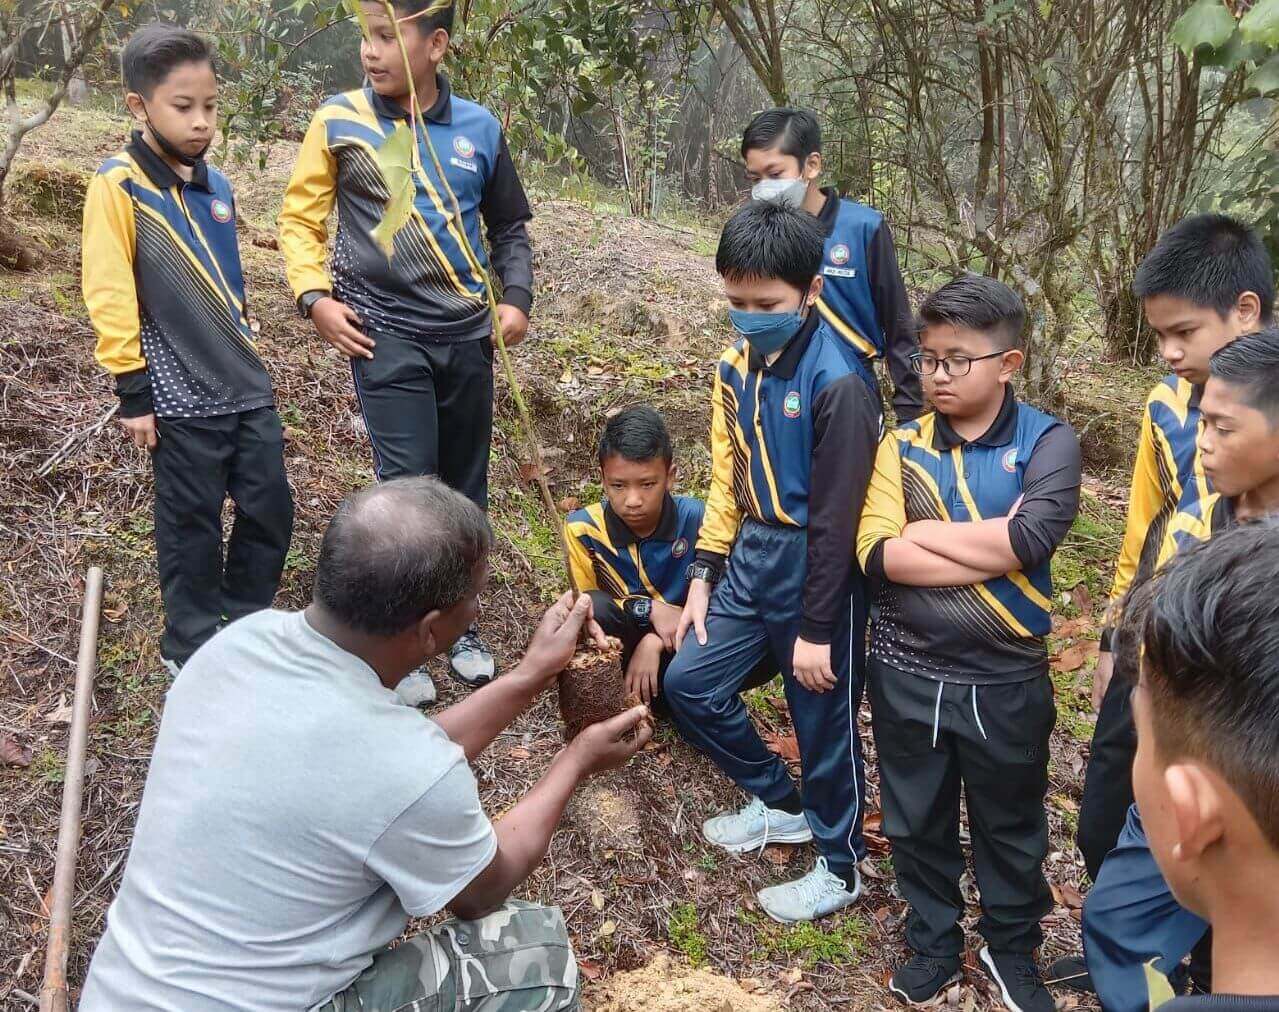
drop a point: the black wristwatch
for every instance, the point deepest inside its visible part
(703, 571)
(307, 301)
(640, 609)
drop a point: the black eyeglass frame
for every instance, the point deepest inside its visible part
(917, 362)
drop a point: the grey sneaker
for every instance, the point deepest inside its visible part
(470, 660)
(172, 667)
(755, 827)
(817, 894)
(416, 689)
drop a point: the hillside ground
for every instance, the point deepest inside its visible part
(627, 310)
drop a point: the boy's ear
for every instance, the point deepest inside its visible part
(812, 167)
(439, 45)
(1013, 360)
(672, 474)
(1248, 309)
(1197, 808)
(814, 291)
(136, 106)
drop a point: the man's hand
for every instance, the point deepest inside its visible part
(142, 431)
(1101, 678)
(665, 620)
(694, 614)
(555, 640)
(610, 743)
(642, 673)
(514, 322)
(339, 324)
(811, 665)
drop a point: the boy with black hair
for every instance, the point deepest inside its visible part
(414, 324)
(1207, 713)
(863, 297)
(966, 507)
(793, 428)
(1131, 915)
(632, 551)
(1207, 281)
(165, 292)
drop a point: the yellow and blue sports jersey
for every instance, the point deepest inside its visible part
(792, 444)
(165, 291)
(1168, 476)
(605, 554)
(433, 284)
(1193, 523)
(863, 296)
(994, 631)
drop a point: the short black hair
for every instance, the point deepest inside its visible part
(1210, 260)
(1252, 364)
(765, 240)
(1211, 665)
(441, 15)
(793, 132)
(396, 551)
(152, 53)
(978, 303)
(637, 434)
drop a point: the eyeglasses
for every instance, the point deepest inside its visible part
(955, 365)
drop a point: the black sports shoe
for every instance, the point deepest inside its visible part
(1017, 976)
(921, 979)
(1071, 972)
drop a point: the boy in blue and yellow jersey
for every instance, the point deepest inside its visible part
(863, 297)
(631, 552)
(165, 293)
(793, 428)
(414, 324)
(966, 507)
(1131, 915)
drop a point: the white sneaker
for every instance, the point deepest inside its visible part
(416, 689)
(172, 667)
(470, 660)
(817, 894)
(755, 827)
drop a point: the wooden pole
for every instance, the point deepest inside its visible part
(53, 995)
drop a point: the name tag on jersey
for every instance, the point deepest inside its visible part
(461, 163)
(840, 272)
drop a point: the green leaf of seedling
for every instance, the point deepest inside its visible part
(1232, 54)
(1157, 987)
(1261, 24)
(395, 159)
(357, 11)
(1207, 23)
(1265, 79)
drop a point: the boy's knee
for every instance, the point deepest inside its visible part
(523, 947)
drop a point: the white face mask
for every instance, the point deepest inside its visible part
(787, 192)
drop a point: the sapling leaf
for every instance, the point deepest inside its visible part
(395, 159)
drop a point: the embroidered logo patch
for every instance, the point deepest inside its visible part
(463, 146)
(680, 548)
(221, 211)
(790, 406)
(1010, 461)
(839, 254)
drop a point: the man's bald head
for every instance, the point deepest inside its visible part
(397, 551)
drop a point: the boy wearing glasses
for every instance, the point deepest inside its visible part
(966, 506)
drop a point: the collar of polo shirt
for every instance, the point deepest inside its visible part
(1000, 433)
(623, 537)
(159, 171)
(440, 112)
(786, 363)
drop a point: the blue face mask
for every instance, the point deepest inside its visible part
(766, 332)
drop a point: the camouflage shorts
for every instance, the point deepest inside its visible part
(515, 960)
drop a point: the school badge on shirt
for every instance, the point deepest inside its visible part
(839, 256)
(791, 406)
(221, 211)
(465, 150)
(1010, 461)
(680, 548)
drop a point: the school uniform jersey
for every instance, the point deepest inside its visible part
(792, 444)
(605, 554)
(864, 299)
(165, 290)
(992, 632)
(1194, 523)
(432, 285)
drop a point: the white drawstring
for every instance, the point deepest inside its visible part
(977, 716)
(937, 713)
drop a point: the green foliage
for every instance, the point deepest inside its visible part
(837, 944)
(395, 159)
(1206, 23)
(1261, 23)
(684, 930)
(1265, 79)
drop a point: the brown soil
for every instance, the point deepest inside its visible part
(591, 689)
(661, 987)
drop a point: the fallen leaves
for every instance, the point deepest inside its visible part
(778, 854)
(60, 714)
(13, 752)
(784, 745)
(1066, 895)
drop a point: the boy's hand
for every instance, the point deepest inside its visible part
(1101, 678)
(665, 619)
(555, 640)
(514, 325)
(811, 665)
(142, 431)
(694, 615)
(339, 324)
(610, 743)
(642, 673)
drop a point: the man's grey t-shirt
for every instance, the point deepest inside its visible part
(294, 816)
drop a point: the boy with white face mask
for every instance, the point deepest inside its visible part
(863, 299)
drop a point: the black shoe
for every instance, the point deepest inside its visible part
(922, 979)
(1071, 972)
(1017, 976)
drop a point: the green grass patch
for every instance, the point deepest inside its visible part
(1074, 705)
(683, 928)
(1088, 553)
(48, 767)
(836, 944)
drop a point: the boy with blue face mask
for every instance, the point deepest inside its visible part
(794, 423)
(863, 299)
